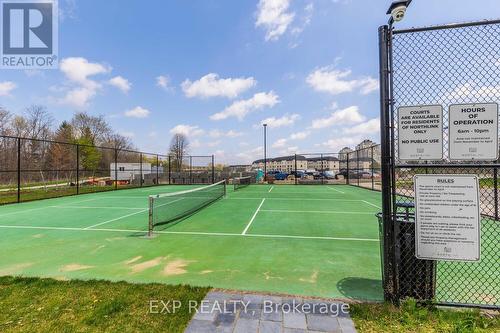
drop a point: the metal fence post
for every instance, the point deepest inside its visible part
(140, 167)
(169, 170)
(388, 272)
(373, 169)
(157, 170)
(347, 169)
(18, 170)
(77, 169)
(213, 169)
(116, 168)
(190, 169)
(495, 189)
(296, 174)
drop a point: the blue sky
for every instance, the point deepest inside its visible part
(216, 69)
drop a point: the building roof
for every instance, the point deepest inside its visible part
(299, 158)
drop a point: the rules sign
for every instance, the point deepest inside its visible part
(447, 217)
(420, 132)
(474, 132)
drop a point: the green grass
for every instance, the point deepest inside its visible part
(411, 317)
(47, 305)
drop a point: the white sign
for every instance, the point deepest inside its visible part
(474, 132)
(420, 132)
(447, 217)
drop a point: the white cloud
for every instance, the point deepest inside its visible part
(348, 115)
(211, 86)
(195, 143)
(305, 19)
(300, 135)
(78, 70)
(121, 83)
(289, 150)
(286, 120)
(274, 17)
(337, 144)
(280, 143)
(241, 108)
(6, 88)
(251, 155)
(187, 130)
(163, 82)
(78, 97)
(229, 134)
(468, 91)
(214, 143)
(127, 134)
(335, 82)
(137, 112)
(370, 127)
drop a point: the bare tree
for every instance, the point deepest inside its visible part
(118, 141)
(5, 118)
(95, 126)
(178, 149)
(39, 122)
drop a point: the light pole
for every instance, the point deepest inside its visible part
(265, 152)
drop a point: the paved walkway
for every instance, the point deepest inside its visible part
(249, 313)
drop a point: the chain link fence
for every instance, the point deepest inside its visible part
(32, 169)
(444, 66)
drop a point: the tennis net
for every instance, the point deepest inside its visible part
(169, 207)
(241, 182)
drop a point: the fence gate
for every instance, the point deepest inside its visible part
(436, 68)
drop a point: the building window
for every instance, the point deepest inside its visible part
(121, 169)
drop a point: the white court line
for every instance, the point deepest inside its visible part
(331, 188)
(272, 188)
(39, 208)
(253, 217)
(314, 237)
(296, 199)
(369, 203)
(311, 211)
(193, 233)
(116, 219)
(97, 207)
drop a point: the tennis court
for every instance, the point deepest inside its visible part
(305, 240)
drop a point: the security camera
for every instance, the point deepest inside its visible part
(398, 9)
(398, 13)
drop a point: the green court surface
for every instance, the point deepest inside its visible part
(302, 240)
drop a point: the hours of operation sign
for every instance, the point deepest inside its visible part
(420, 132)
(474, 132)
(447, 217)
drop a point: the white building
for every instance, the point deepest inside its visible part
(130, 171)
(290, 163)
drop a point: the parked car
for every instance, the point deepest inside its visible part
(281, 176)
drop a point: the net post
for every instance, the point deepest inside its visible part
(150, 217)
(225, 187)
(77, 169)
(18, 170)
